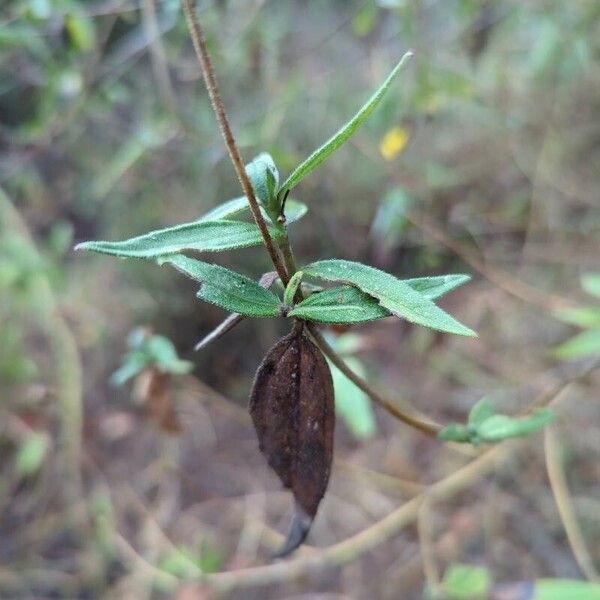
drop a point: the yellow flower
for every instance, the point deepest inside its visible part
(393, 142)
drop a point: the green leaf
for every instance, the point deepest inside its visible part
(135, 363)
(331, 145)
(465, 582)
(292, 288)
(351, 403)
(294, 210)
(580, 346)
(226, 210)
(565, 589)
(436, 287)
(395, 295)
(31, 454)
(227, 289)
(264, 178)
(501, 427)
(163, 354)
(590, 282)
(481, 411)
(339, 305)
(587, 316)
(208, 236)
(455, 432)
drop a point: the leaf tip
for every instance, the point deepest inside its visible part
(301, 523)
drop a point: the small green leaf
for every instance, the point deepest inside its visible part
(226, 210)
(227, 289)
(292, 288)
(294, 210)
(162, 353)
(436, 287)
(331, 145)
(351, 403)
(135, 362)
(590, 282)
(481, 411)
(465, 582)
(339, 305)
(31, 454)
(393, 294)
(264, 177)
(565, 589)
(501, 427)
(582, 345)
(209, 236)
(455, 432)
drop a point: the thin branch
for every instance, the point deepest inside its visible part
(234, 153)
(560, 489)
(353, 547)
(426, 427)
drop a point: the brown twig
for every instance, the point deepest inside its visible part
(234, 153)
(560, 489)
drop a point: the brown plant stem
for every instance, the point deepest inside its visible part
(234, 153)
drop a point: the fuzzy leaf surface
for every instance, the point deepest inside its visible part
(202, 236)
(393, 294)
(342, 136)
(294, 210)
(292, 408)
(438, 286)
(227, 289)
(339, 305)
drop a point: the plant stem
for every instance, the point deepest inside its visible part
(219, 109)
(428, 428)
(284, 271)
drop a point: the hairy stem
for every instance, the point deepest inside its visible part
(234, 153)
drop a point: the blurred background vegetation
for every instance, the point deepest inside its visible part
(484, 158)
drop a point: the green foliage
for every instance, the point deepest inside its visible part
(343, 135)
(392, 293)
(202, 236)
(436, 287)
(227, 289)
(565, 589)
(264, 178)
(343, 305)
(292, 288)
(587, 343)
(485, 426)
(466, 582)
(146, 350)
(294, 210)
(31, 454)
(351, 404)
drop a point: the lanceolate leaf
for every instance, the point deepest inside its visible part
(294, 210)
(436, 287)
(226, 210)
(202, 236)
(227, 289)
(392, 293)
(339, 305)
(502, 427)
(292, 407)
(333, 143)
